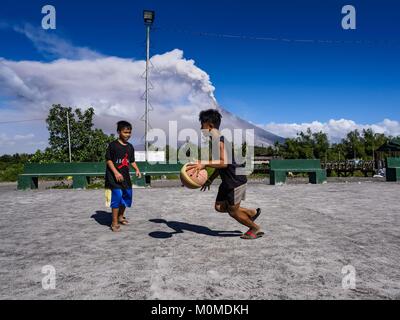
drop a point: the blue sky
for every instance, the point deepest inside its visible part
(261, 81)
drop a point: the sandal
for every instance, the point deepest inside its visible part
(250, 235)
(123, 221)
(116, 228)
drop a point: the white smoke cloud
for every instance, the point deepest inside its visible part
(113, 86)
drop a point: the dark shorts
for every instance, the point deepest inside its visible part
(116, 198)
(231, 196)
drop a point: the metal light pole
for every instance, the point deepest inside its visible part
(148, 17)
(69, 138)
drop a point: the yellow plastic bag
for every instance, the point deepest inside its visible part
(108, 197)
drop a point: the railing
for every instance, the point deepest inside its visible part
(349, 167)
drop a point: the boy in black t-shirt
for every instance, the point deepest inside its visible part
(233, 187)
(120, 155)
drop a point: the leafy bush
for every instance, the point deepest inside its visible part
(10, 172)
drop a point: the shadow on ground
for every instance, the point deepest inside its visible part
(102, 217)
(180, 227)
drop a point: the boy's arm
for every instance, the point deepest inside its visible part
(210, 180)
(216, 164)
(214, 175)
(133, 161)
(138, 173)
(117, 175)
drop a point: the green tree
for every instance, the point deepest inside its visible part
(306, 145)
(354, 145)
(372, 141)
(289, 150)
(338, 152)
(87, 143)
(320, 145)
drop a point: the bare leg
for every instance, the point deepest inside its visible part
(115, 212)
(221, 207)
(121, 218)
(243, 218)
(250, 212)
(121, 212)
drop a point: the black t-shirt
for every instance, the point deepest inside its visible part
(230, 179)
(122, 156)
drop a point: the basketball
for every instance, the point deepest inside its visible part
(192, 180)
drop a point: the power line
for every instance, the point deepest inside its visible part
(276, 39)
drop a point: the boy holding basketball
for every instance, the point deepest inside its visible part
(233, 187)
(120, 155)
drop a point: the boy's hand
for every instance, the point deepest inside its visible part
(206, 186)
(195, 166)
(119, 177)
(138, 174)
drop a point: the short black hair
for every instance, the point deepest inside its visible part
(212, 116)
(121, 125)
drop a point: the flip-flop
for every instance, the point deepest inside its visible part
(249, 235)
(124, 221)
(257, 215)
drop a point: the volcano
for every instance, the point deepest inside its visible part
(261, 137)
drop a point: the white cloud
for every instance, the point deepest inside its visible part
(6, 140)
(51, 45)
(335, 129)
(20, 137)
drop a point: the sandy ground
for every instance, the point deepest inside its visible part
(177, 247)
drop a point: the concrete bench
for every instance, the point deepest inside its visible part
(149, 170)
(280, 168)
(393, 169)
(82, 172)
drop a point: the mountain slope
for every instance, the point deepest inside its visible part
(261, 137)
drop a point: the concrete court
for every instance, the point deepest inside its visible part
(177, 247)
